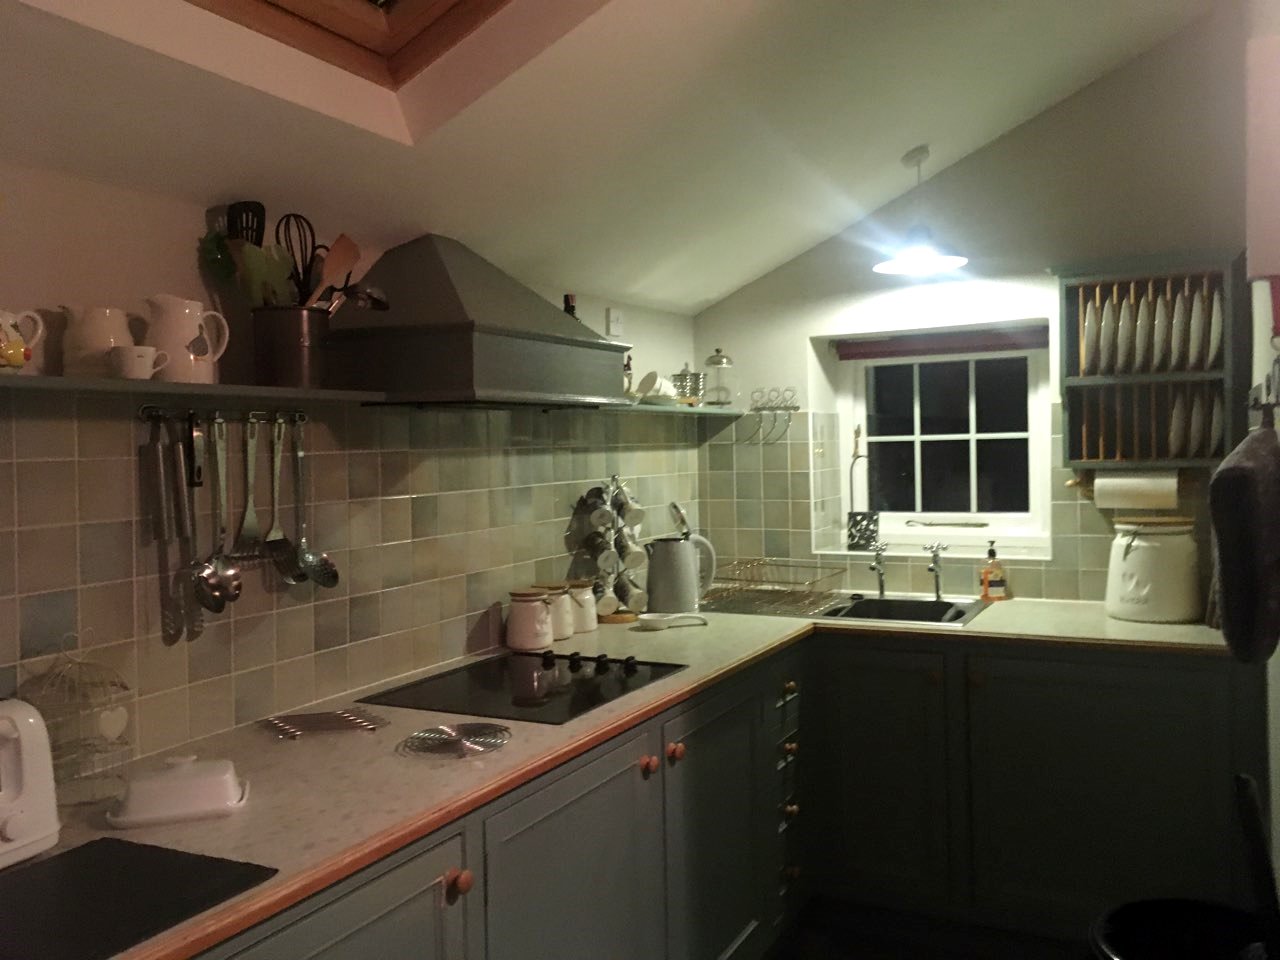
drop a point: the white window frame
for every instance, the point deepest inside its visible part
(1017, 535)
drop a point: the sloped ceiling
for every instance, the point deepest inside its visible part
(661, 153)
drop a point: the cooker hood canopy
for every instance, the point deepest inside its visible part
(460, 330)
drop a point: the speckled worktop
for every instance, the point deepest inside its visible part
(324, 806)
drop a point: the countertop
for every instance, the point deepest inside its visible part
(323, 807)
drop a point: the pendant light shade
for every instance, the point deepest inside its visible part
(919, 256)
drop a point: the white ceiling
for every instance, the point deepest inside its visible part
(662, 153)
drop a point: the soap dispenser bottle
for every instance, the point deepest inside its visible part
(995, 585)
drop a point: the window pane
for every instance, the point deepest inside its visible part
(944, 469)
(1002, 476)
(1000, 394)
(890, 410)
(944, 398)
(891, 475)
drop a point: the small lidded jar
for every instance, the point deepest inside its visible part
(722, 380)
(561, 609)
(584, 605)
(529, 620)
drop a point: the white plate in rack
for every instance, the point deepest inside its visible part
(1178, 427)
(1090, 339)
(1178, 332)
(1124, 338)
(1196, 332)
(1215, 332)
(1107, 338)
(1142, 331)
(1160, 333)
(1199, 424)
(1215, 426)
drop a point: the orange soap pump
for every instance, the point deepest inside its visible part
(995, 585)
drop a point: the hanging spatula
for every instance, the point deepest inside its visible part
(246, 220)
(341, 259)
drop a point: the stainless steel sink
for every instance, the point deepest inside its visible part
(957, 612)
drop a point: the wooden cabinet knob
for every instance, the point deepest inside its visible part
(791, 748)
(790, 687)
(934, 677)
(790, 873)
(977, 679)
(675, 752)
(791, 810)
(649, 765)
(458, 883)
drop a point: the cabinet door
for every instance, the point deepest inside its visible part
(1094, 783)
(410, 912)
(874, 741)
(574, 870)
(720, 822)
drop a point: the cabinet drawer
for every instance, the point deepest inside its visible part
(409, 912)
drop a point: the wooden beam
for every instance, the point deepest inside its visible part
(408, 18)
(279, 24)
(357, 20)
(446, 32)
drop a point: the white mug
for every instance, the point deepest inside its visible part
(136, 363)
(653, 384)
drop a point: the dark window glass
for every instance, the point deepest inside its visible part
(1000, 395)
(1003, 486)
(891, 475)
(944, 398)
(944, 474)
(891, 392)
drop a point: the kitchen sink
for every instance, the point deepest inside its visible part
(958, 612)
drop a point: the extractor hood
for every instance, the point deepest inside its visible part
(459, 330)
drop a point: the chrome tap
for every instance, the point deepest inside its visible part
(935, 566)
(877, 565)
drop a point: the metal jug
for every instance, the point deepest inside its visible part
(675, 582)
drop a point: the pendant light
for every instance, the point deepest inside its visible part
(919, 256)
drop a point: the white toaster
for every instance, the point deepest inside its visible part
(28, 803)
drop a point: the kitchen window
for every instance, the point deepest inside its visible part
(960, 443)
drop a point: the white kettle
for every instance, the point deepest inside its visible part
(28, 803)
(675, 583)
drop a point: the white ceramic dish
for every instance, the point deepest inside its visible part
(1124, 338)
(1160, 333)
(1196, 432)
(1142, 333)
(183, 789)
(1215, 332)
(1178, 427)
(1090, 339)
(1107, 338)
(1178, 332)
(658, 400)
(1196, 333)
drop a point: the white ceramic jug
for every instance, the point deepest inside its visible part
(90, 334)
(193, 337)
(16, 347)
(28, 807)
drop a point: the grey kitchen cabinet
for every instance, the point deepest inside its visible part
(574, 867)
(875, 735)
(411, 906)
(1094, 782)
(1021, 786)
(720, 813)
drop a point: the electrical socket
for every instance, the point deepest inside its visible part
(613, 322)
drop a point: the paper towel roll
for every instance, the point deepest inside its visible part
(1155, 490)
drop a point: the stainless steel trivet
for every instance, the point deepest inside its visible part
(294, 725)
(461, 739)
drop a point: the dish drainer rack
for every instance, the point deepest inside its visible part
(1149, 419)
(772, 585)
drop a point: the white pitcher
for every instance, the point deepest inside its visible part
(90, 333)
(18, 343)
(193, 337)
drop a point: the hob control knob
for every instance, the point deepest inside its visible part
(602, 664)
(548, 661)
(630, 666)
(575, 662)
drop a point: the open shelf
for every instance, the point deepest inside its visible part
(1138, 379)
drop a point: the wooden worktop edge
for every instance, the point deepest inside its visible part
(226, 921)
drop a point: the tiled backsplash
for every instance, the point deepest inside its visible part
(430, 515)
(756, 502)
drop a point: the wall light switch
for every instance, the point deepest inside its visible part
(612, 322)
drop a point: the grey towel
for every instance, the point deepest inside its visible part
(1244, 502)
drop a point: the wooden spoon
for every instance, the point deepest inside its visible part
(341, 259)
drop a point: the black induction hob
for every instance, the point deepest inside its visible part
(540, 687)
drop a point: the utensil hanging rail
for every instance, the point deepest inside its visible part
(150, 412)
